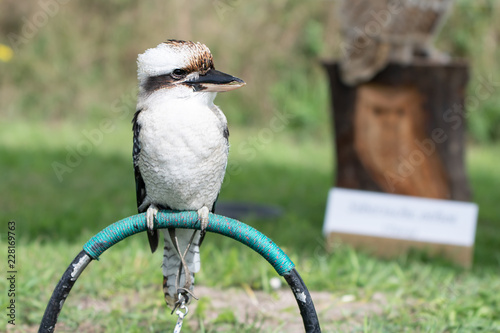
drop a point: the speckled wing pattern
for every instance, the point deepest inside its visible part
(140, 186)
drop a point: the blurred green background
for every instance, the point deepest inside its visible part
(74, 61)
(68, 90)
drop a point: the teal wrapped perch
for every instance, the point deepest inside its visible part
(189, 220)
(175, 219)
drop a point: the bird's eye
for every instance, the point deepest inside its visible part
(178, 73)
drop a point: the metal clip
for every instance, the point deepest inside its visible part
(181, 315)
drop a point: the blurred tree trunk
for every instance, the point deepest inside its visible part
(404, 131)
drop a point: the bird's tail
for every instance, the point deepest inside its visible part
(172, 264)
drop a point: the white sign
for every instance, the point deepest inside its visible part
(401, 217)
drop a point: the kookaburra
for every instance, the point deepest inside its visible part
(180, 147)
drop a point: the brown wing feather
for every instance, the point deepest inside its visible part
(140, 187)
(369, 42)
(365, 53)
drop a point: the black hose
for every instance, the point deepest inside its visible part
(304, 300)
(61, 292)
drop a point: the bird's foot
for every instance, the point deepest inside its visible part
(150, 217)
(203, 218)
(150, 223)
(182, 296)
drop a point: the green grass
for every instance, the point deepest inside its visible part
(122, 291)
(72, 73)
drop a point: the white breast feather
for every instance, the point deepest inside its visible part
(183, 153)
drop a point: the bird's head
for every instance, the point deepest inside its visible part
(183, 69)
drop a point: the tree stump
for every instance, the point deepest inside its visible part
(403, 132)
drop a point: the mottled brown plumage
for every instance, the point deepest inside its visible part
(202, 62)
(377, 32)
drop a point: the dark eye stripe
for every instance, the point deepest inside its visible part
(154, 83)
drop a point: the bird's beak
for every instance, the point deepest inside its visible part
(215, 81)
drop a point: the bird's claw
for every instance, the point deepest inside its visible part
(203, 218)
(150, 224)
(150, 217)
